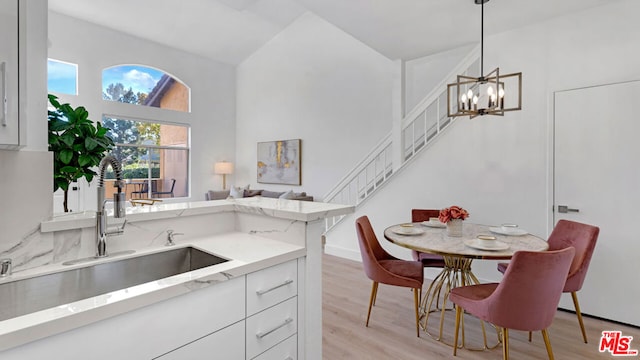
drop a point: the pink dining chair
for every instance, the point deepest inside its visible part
(583, 238)
(526, 299)
(428, 260)
(381, 267)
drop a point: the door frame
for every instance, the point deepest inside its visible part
(551, 156)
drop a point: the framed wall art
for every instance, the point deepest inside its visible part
(279, 162)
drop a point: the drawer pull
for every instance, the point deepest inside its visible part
(262, 292)
(262, 334)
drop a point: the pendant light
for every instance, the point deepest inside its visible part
(491, 94)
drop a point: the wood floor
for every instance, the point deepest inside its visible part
(391, 332)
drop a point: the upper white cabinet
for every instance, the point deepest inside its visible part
(9, 104)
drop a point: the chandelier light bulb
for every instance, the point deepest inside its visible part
(463, 101)
(501, 95)
(469, 94)
(490, 91)
(475, 100)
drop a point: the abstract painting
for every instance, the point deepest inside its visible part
(279, 162)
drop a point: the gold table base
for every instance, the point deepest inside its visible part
(457, 272)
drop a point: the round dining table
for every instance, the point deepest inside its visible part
(477, 242)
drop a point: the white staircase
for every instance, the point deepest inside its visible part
(420, 128)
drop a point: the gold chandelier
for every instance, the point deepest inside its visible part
(493, 94)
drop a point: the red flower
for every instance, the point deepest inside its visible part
(453, 212)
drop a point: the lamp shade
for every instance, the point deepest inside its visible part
(223, 168)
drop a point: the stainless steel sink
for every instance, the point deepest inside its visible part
(25, 296)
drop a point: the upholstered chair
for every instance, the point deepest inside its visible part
(428, 260)
(583, 238)
(526, 299)
(381, 267)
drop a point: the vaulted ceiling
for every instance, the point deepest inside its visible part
(231, 30)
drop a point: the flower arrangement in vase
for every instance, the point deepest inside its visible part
(453, 217)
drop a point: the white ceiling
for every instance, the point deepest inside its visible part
(231, 30)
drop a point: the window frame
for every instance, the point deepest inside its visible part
(157, 147)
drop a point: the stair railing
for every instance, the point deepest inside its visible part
(420, 128)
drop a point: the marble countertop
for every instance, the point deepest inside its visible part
(278, 208)
(264, 253)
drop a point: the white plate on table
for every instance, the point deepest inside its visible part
(402, 230)
(508, 231)
(434, 224)
(491, 245)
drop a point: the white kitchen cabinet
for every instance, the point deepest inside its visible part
(286, 350)
(272, 311)
(148, 332)
(270, 329)
(271, 326)
(270, 286)
(9, 104)
(227, 343)
(207, 323)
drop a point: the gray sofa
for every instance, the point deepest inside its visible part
(290, 195)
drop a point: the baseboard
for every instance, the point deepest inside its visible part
(342, 252)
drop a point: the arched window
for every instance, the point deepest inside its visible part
(146, 86)
(154, 153)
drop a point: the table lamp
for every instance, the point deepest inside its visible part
(223, 168)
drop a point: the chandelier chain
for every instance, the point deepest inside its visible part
(482, 39)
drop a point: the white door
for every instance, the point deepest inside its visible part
(597, 174)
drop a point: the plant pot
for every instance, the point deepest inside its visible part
(454, 227)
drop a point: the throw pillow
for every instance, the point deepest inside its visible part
(287, 195)
(218, 195)
(238, 191)
(251, 193)
(272, 194)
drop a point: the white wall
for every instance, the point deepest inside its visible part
(423, 74)
(499, 168)
(212, 85)
(316, 83)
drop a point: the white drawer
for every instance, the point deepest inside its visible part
(270, 286)
(269, 327)
(286, 350)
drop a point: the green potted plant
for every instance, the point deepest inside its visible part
(77, 145)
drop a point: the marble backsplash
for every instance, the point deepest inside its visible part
(43, 248)
(72, 236)
(25, 200)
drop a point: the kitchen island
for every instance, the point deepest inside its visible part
(262, 239)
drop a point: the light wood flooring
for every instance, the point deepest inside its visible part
(391, 332)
